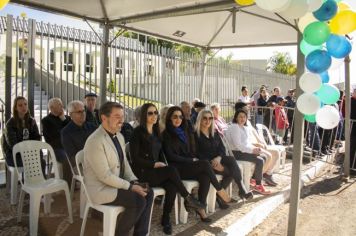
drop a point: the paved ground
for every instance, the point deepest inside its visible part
(327, 208)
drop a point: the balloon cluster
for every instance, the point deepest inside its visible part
(324, 44)
(324, 24)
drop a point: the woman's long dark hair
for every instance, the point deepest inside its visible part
(143, 119)
(20, 123)
(170, 128)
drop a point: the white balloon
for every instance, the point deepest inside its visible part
(336, 63)
(310, 82)
(327, 117)
(314, 5)
(273, 5)
(296, 9)
(308, 103)
(305, 20)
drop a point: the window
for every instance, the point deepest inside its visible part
(68, 61)
(51, 59)
(119, 66)
(88, 63)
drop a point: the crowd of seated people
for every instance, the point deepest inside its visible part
(163, 150)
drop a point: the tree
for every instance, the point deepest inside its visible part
(281, 62)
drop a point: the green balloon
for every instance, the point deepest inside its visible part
(316, 33)
(328, 94)
(310, 118)
(306, 48)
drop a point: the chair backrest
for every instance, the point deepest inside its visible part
(30, 152)
(79, 159)
(261, 130)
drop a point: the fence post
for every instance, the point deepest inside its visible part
(8, 66)
(104, 62)
(203, 71)
(297, 151)
(31, 42)
(347, 117)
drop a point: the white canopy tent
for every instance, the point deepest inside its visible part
(207, 24)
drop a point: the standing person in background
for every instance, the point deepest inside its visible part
(353, 134)
(20, 127)
(74, 135)
(52, 124)
(150, 165)
(281, 118)
(192, 112)
(290, 114)
(261, 104)
(137, 113)
(220, 124)
(92, 114)
(244, 97)
(276, 93)
(186, 113)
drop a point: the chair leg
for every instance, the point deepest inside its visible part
(176, 209)
(35, 201)
(149, 225)
(109, 224)
(20, 206)
(47, 203)
(211, 199)
(72, 186)
(85, 217)
(14, 183)
(69, 204)
(83, 201)
(8, 180)
(183, 214)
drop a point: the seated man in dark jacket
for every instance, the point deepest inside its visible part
(74, 135)
(52, 124)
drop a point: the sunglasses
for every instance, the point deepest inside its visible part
(206, 118)
(151, 113)
(175, 117)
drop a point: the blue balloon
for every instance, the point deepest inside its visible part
(318, 61)
(338, 46)
(327, 11)
(324, 77)
(328, 94)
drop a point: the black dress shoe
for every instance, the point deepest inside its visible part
(191, 202)
(167, 229)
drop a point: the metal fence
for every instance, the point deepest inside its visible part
(67, 65)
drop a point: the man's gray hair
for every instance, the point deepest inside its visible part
(215, 105)
(73, 104)
(53, 101)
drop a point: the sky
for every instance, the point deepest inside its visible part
(336, 75)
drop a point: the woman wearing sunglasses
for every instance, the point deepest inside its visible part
(210, 147)
(149, 164)
(178, 145)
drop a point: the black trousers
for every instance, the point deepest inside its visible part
(169, 179)
(231, 172)
(137, 212)
(259, 162)
(203, 172)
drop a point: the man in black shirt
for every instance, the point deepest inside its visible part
(92, 114)
(74, 135)
(52, 124)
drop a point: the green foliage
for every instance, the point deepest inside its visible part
(111, 87)
(281, 62)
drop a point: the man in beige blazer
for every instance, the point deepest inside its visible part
(109, 177)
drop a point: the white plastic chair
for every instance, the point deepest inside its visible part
(110, 212)
(189, 185)
(34, 182)
(282, 149)
(13, 176)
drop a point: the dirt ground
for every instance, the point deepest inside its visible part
(327, 208)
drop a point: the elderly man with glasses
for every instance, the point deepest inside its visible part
(74, 135)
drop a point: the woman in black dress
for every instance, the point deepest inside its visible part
(149, 164)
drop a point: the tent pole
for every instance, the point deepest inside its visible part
(104, 62)
(203, 72)
(347, 117)
(297, 150)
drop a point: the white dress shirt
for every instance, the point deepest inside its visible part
(240, 138)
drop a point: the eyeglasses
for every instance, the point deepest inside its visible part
(206, 118)
(79, 112)
(151, 113)
(175, 117)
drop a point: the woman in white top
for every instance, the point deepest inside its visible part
(239, 136)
